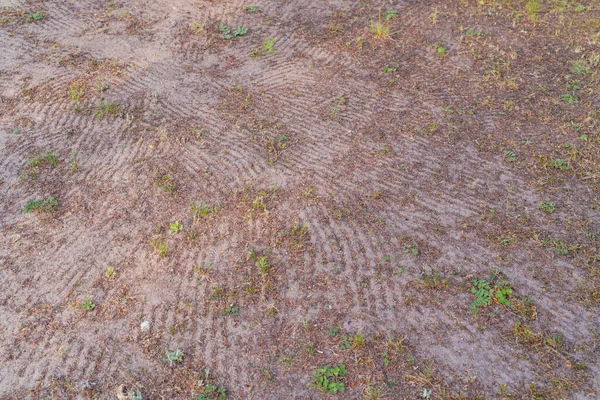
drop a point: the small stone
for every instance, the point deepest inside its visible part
(145, 326)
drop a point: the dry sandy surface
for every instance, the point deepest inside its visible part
(302, 194)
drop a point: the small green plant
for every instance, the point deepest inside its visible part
(231, 311)
(345, 344)
(76, 91)
(560, 247)
(569, 98)
(44, 158)
(358, 340)
(441, 49)
(486, 292)
(510, 156)
(74, 163)
(411, 248)
(88, 305)
(201, 211)
(389, 14)
(110, 271)
(161, 248)
(533, 8)
(105, 109)
(328, 379)
(252, 9)
(266, 48)
(34, 17)
(47, 205)
(334, 113)
(389, 69)
(165, 182)
(580, 67)
(334, 331)
(174, 357)
(137, 395)
(563, 165)
(212, 392)
(547, 207)
(175, 227)
(380, 28)
(226, 32)
(263, 264)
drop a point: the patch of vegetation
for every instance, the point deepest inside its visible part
(411, 248)
(105, 109)
(48, 158)
(34, 17)
(563, 165)
(74, 163)
(547, 207)
(175, 227)
(510, 156)
(48, 205)
(489, 291)
(263, 264)
(228, 35)
(173, 357)
(380, 28)
(88, 305)
(389, 14)
(201, 211)
(532, 7)
(165, 182)
(561, 247)
(266, 48)
(76, 91)
(252, 9)
(231, 311)
(212, 391)
(161, 248)
(328, 379)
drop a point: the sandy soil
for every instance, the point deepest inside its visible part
(306, 193)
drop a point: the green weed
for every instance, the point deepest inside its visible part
(34, 17)
(510, 156)
(174, 357)
(563, 165)
(88, 305)
(532, 7)
(47, 205)
(105, 109)
(228, 35)
(74, 163)
(212, 392)
(263, 264)
(328, 379)
(161, 248)
(389, 14)
(547, 207)
(252, 9)
(175, 227)
(231, 311)
(76, 91)
(486, 292)
(266, 48)
(44, 158)
(569, 98)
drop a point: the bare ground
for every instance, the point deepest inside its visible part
(336, 197)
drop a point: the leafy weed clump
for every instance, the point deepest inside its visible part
(489, 291)
(47, 205)
(328, 379)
